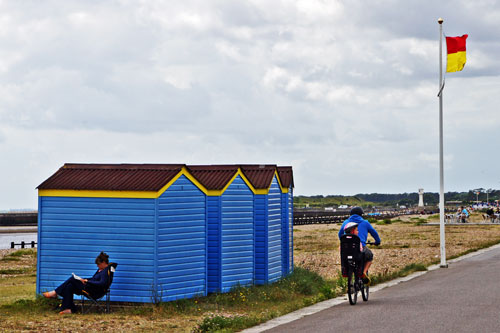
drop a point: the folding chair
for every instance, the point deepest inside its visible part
(94, 301)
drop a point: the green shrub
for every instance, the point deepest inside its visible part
(327, 291)
(24, 252)
(384, 221)
(218, 323)
(412, 268)
(341, 282)
(305, 282)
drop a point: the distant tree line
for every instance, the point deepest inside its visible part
(400, 199)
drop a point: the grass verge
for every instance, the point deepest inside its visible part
(240, 308)
(244, 307)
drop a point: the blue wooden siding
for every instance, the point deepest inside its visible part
(290, 234)
(182, 268)
(73, 231)
(268, 235)
(274, 232)
(285, 230)
(214, 248)
(237, 236)
(39, 218)
(261, 219)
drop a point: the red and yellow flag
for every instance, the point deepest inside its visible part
(456, 53)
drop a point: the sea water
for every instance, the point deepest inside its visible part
(7, 238)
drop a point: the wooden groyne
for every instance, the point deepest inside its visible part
(19, 219)
(309, 216)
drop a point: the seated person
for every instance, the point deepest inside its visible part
(489, 215)
(95, 286)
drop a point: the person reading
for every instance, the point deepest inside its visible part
(95, 286)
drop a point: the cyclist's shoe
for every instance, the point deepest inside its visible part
(366, 279)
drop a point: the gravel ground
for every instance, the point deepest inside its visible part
(4, 252)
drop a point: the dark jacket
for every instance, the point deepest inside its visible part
(96, 285)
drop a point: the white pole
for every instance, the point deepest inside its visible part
(441, 168)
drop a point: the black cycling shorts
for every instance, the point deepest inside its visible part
(367, 254)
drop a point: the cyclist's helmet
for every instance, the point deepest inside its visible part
(349, 227)
(357, 211)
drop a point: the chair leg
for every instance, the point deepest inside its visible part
(95, 303)
(107, 302)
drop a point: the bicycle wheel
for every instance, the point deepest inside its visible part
(365, 292)
(352, 288)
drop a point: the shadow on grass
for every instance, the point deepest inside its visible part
(38, 305)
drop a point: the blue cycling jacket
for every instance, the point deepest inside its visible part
(364, 227)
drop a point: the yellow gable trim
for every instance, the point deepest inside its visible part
(183, 172)
(283, 189)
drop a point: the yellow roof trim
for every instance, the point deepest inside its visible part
(98, 194)
(152, 194)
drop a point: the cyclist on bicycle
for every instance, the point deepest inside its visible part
(464, 214)
(363, 228)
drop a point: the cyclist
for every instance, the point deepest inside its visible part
(464, 214)
(363, 228)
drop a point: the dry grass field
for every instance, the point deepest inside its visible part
(404, 242)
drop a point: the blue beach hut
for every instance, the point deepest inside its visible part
(177, 231)
(230, 226)
(286, 177)
(267, 211)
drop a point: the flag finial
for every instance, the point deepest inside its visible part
(440, 20)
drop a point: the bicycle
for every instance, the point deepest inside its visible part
(352, 264)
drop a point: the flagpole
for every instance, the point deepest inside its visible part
(441, 167)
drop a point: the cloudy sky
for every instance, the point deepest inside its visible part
(344, 91)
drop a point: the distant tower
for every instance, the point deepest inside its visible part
(420, 197)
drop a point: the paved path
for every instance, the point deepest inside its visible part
(462, 298)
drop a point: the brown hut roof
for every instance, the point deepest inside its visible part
(152, 177)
